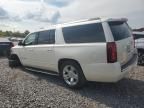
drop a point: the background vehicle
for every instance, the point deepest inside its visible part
(138, 35)
(5, 46)
(94, 50)
(139, 44)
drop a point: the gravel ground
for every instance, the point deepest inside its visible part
(25, 89)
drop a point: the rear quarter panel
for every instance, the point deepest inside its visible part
(83, 53)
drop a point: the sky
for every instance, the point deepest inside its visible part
(21, 15)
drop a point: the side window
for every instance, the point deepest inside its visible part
(120, 30)
(88, 33)
(31, 39)
(52, 36)
(46, 37)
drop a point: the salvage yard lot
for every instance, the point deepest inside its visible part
(24, 89)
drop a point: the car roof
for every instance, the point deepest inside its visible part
(139, 33)
(4, 40)
(83, 21)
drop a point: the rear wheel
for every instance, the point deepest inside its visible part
(72, 74)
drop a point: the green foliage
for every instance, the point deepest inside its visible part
(26, 32)
(13, 34)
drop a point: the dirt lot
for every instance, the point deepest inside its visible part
(24, 89)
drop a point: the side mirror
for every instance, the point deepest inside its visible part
(21, 43)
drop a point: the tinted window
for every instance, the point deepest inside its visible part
(31, 39)
(120, 30)
(46, 37)
(52, 36)
(89, 33)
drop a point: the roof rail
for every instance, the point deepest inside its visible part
(78, 21)
(83, 20)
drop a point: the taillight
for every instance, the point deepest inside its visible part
(111, 52)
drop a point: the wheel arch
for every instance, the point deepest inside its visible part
(62, 60)
(14, 56)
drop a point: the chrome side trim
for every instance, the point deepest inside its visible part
(40, 71)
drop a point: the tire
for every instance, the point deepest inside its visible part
(14, 62)
(141, 57)
(72, 74)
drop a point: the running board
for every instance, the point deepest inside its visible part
(42, 71)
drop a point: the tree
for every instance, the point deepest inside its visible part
(13, 34)
(7, 33)
(17, 34)
(26, 32)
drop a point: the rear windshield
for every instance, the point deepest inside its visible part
(120, 30)
(88, 33)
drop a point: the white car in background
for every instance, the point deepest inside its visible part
(87, 50)
(139, 44)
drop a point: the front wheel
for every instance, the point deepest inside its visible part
(72, 74)
(14, 61)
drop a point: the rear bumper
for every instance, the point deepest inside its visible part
(129, 63)
(104, 72)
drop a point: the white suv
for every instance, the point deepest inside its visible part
(88, 50)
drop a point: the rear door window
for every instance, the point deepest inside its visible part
(120, 30)
(46, 37)
(89, 33)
